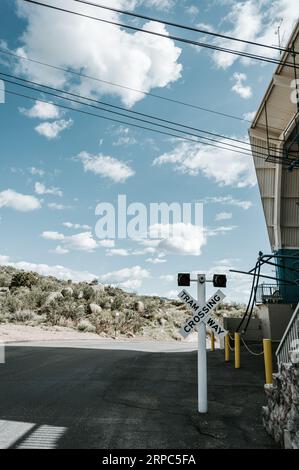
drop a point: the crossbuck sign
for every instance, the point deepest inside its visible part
(202, 314)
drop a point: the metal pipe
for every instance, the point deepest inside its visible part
(266, 277)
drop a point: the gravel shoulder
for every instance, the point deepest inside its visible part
(12, 333)
(19, 333)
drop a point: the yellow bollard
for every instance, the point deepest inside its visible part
(226, 348)
(237, 351)
(268, 360)
(212, 341)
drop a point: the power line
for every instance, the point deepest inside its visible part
(123, 109)
(138, 119)
(182, 26)
(131, 124)
(32, 98)
(168, 36)
(73, 72)
(146, 93)
(229, 146)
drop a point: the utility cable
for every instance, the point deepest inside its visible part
(167, 36)
(32, 98)
(181, 26)
(228, 146)
(146, 93)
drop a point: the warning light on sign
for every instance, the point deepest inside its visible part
(184, 279)
(219, 280)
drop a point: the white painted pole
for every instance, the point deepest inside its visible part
(202, 350)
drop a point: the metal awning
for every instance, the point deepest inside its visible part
(273, 124)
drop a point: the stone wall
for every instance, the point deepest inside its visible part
(281, 415)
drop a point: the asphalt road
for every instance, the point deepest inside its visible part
(80, 396)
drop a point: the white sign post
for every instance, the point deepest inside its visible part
(202, 386)
(201, 317)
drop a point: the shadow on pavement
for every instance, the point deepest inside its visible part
(120, 399)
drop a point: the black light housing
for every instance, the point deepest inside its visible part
(184, 279)
(219, 280)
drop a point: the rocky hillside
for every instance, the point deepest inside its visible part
(31, 299)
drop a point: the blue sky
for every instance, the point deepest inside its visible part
(57, 165)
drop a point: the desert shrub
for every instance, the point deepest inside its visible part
(118, 303)
(11, 304)
(113, 291)
(24, 279)
(177, 303)
(65, 322)
(35, 298)
(5, 279)
(88, 293)
(103, 300)
(22, 316)
(150, 309)
(86, 326)
(60, 308)
(81, 310)
(49, 285)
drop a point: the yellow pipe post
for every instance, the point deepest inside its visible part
(226, 347)
(237, 351)
(267, 345)
(212, 341)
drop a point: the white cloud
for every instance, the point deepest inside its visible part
(238, 286)
(83, 241)
(59, 250)
(76, 226)
(224, 166)
(57, 207)
(249, 116)
(192, 10)
(158, 4)
(246, 21)
(136, 60)
(145, 251)
(51, 130)
(41, 110)
(222, 230)
(49, 235)
(4, 259)
(228, 200)
(118, 252)
(106, 243)
(242, 90)
(36, 171)
(19, 202)
(167, 277)
(156, 260)
(124, 137)
(127, 278)
(180, 238)
(41, 189)
(255, 20)
(108, 167)
(61, 272)
(172, 294)
(223, 216)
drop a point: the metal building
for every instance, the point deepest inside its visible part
(274, 138)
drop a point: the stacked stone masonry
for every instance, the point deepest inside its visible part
(281, 415)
